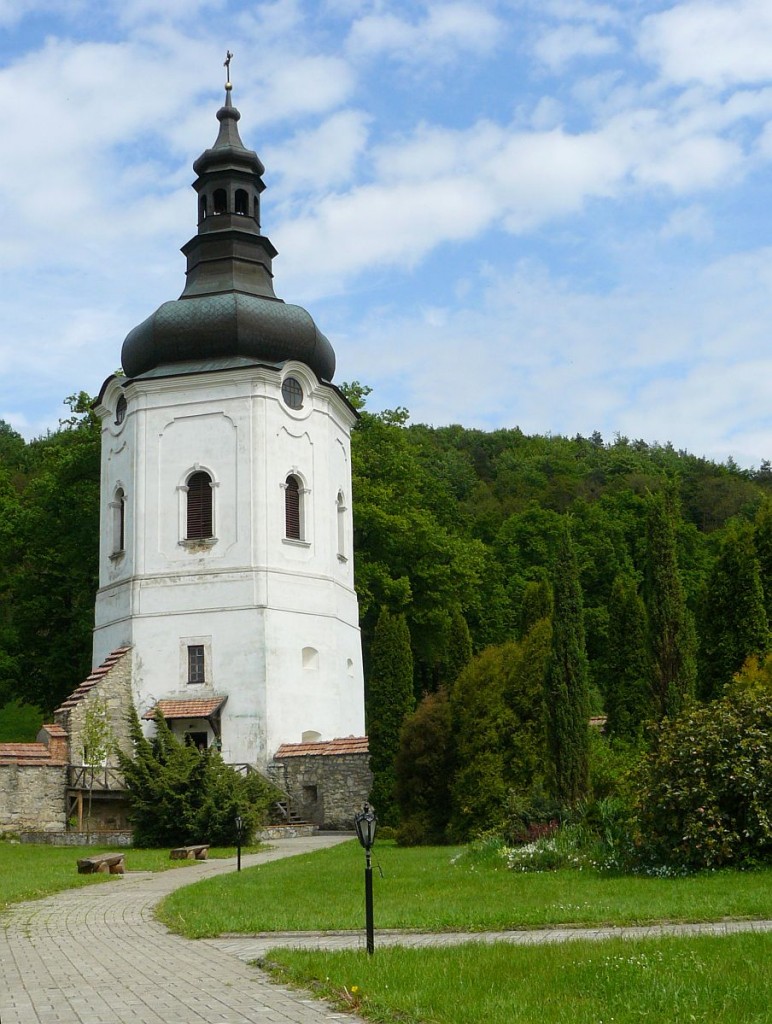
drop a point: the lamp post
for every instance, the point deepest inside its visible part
(366, 825)
(239, 827)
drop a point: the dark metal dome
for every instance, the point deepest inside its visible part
(228, 307)
(233, 324)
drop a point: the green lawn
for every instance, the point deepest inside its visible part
(439, 889)
(660, 981)
(29, 871)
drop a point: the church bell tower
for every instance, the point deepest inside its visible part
(226, 559)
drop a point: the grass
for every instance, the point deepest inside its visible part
(29, 871)
(19, 722)
(660, 981)
(438, 889)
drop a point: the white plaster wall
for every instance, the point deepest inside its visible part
(259, 598)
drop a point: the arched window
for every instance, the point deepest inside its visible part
(340, 507)
(118, 505)
(242, 202)
(292, 509)
(220, 200)
(199, 517)
(202, 208)
(120, 410)
(256, 209)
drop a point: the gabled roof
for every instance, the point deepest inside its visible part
(324, 748)
(96, 677)
(194, 707)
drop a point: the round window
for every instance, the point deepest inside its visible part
(292, 392)
(120, 411)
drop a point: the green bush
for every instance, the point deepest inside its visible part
(180, 795)
(703, 796)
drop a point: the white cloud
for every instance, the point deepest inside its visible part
(689, 222)
(324, 157)
(445, 32)
(719, 42)
(541, 354)
(562, 45)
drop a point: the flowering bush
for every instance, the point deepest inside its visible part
(703, 797)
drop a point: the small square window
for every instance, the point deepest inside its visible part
(196, 673)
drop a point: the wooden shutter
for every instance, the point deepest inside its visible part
(199, 506)
(292, 508)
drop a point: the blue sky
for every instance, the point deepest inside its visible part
(553, 214)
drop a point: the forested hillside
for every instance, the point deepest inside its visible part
(453, 527)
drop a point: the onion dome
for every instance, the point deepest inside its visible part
(228, 308)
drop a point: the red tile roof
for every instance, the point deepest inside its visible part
(325, 748)
(96, 676)
(192, 708)
(55, 731)
(26, 754)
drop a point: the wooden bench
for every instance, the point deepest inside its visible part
(200, 852)
(102, 862)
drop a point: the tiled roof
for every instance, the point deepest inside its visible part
(55, 731)
(26, 753)
(96, 676)
(192, 708)
(347, 745)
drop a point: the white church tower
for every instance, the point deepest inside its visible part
(226, 538)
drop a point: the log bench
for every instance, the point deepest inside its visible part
(200, 852)
(102, 862)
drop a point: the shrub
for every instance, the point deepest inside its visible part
(704, 793)
(179, 795)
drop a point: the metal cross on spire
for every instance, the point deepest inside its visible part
(227, 66)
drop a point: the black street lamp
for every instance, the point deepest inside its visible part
(366, 825)
(239, 827)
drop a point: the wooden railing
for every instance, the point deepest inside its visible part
(98, 779)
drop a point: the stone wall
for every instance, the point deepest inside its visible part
(113, 694)
(327, 790)
(101, 838)
(32, 797)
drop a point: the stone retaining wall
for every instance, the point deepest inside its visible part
(119, 838)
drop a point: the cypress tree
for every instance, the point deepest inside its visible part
(424, 769)
(536, 605)
(763, 544)
(389, 699)
(567, 691)
(628, 696)
(733, 619)
(458, 652)
(671, 635)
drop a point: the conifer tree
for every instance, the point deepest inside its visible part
(567, 691)
(389, 699)
(459, 648)
(763, 543)
(671, 635)
(536, 605)
(628, 696)
(424, 769)
(733, 620)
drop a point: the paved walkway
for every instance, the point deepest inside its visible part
(97, 956)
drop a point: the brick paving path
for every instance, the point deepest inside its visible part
(252, 947)
(97, 956)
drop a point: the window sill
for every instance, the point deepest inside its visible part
(198, 544)
(342, 559)
(293, 542)
(116, 556)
